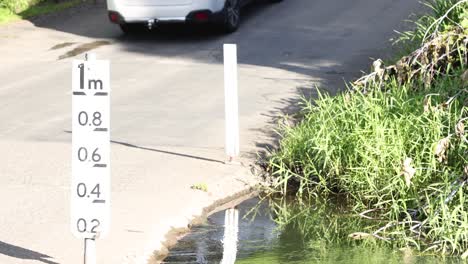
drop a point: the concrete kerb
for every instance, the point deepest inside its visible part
(175, 234)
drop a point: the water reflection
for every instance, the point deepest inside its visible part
(231, 232)
(204, 244)
(316, 232)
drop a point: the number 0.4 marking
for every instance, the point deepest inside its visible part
(82, 190)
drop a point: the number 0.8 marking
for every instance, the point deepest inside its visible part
(97, 119)
(82, 226)
(83, 118)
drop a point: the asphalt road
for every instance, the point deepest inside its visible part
(167, 111)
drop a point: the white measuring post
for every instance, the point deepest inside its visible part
(90, 183)
(230, 237)
(90, 256)
(231, 102)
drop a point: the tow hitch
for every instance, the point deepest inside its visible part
(151, 23)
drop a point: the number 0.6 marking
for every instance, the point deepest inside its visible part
(83, 155)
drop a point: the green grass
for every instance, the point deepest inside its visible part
(396, 150)
(427, 24)
(356, 146)
(6, 15)
(200, 186)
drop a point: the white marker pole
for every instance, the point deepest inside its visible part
(90, 185)
(90, 251)
(231, 102)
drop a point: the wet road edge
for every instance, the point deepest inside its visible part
(175, 234)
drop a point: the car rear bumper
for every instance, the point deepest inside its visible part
(161, 13)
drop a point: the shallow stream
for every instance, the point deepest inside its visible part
(261, 242)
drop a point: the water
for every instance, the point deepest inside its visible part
(203, 244)
(309, 238)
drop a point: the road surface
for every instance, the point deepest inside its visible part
(167, 113)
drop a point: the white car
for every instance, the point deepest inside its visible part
(133, 14)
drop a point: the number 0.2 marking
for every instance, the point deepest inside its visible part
(82, 226)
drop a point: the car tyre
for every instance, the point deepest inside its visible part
(230, 16)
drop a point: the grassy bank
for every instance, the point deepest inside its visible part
(394, 145)
(12, 10)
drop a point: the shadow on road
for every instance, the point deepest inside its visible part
(304, 37)
(309, 43)
(23, 253)
(281, 36)
(90, 19)
(160, 150)
(166, 152)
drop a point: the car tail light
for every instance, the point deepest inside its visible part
(201, 16)
(114, 17)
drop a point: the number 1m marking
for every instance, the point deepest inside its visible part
(81, 67)
(92, 84)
